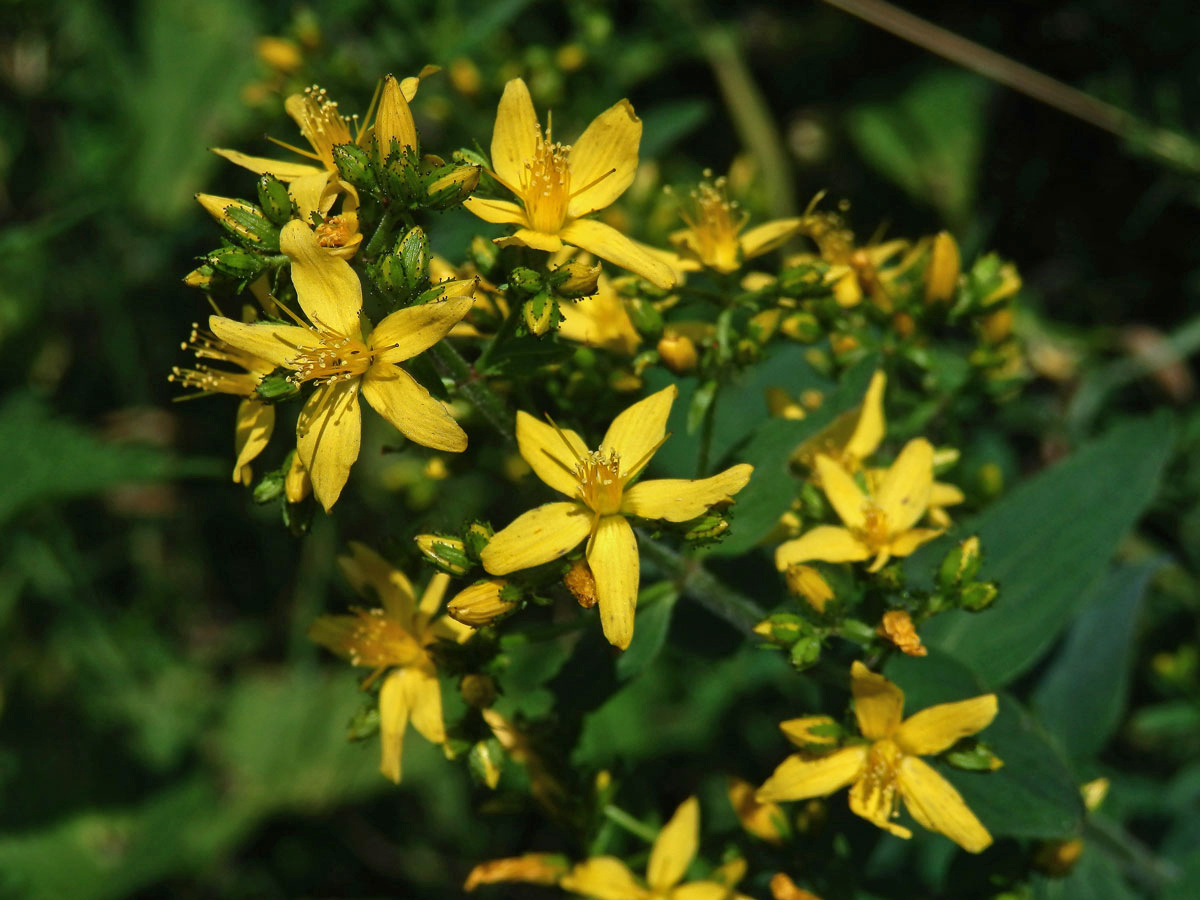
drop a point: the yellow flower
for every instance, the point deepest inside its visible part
(600, 321)
(395, 637)
(854, 435)
(559, 185)
(255, 419)
(714, 237)
(608, 878)
(324, 128)
(598, 484)
(877, 525)
(763, 820)
(338, 235)
(333, 354)
(889, 768)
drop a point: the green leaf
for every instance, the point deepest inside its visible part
(57, 459)
(1033, 795)
(666, 124)
(655, 604)
(1045, 544)
(1095, 877)
(1082, 696)
(772, 487)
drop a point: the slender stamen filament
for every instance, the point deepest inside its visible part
(334, 357)
(209, 379)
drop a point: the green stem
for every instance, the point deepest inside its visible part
(382, 236)
(1140, 862)
(507, 328)
(450, 363)
(618, 816)
(699, 584)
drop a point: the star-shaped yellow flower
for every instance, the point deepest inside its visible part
(333, 353)
(602, 497)
(255, 419)
(714, 238)
(394, 638)
(889, 768)
(559, 185)
(608, 878)
(879, 524)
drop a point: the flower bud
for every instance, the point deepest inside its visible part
(812, 732)
(486, 762)
(997, 326)
(476, 538)
(974, 756)
(802, 327)
(394, 126)
(478, 690)
(575, 279)
(481, 603)
(1007, 282)
(781, 628)
(807, 582)
(526, 281)
(413, 252)
(354, 166)
(448, 554)
(235, 263)
(762, 326)
(199, 277)
(274, 199)
(276, 387)
(297, 484)
(707, 528)
(540, 313)
(959, 565)
(244, 222)
(678, 353)
(581, 583)
(448, 186)
(941, 273)
(979, 596)
(897, 627)
(269, 487)
(806, 652)
(783, 888)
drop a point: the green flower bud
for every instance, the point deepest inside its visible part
(242, 221)
(235, 263)
(476, 538)
(973, 756)
(540, 313)
(526, 281)
(575, 279)
(486, 762)
(449, 186)
(806, 652)
(707, 529)
(354, 166)
(274, 199)
(960, 565)
(782, 628)
(802, 327)
(269, 487)
(446, 553)
(413, 251)
(979, 596)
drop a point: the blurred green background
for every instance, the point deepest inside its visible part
(166, 729)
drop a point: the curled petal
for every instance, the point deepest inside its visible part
(536, 537)
(906, 543)
(369, 574)
(604, 878)
(275, 343)
(394, 121)
(284, 171)
(871, 426)
(527, 237)
(424, 694)
(679, 499)
(393, 719)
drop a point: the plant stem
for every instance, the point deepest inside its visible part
(618, 816)
(700, 584)
(450, 363)
(382, 235)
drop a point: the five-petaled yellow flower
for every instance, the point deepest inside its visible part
(889, 768)
(608, 878)
(395, 637)
(878, 524)
(599, 484)
(714, 238)
(334, 354)
(559, 185)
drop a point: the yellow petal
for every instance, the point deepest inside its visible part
(607, 243)
(284, 171)
(612, 556)
(702, 890)
(604, 159)
(394, 121)
(871, 426)
(308, 193)
(878, 703)
(766, 237)
(551, 453)
(393, 719)
(372, 576)
(328, 289)
(604, 878)
(414, 329)
(825, 542)
(936, 729)
(843, 492)
(679, 499)
(906, 543)
(435, 592)
(255, 421)
(943, 494)
(498, 212)
(527, 237)
(874, 801)
(904, 494)
(536, 537)
(447, 629)
(274, 343)
(936, 805)
(798, 778)
(328, 433)
(600, 320)
(424, 694)
(675, 847)
(640, 428)
(411, 409)
(515, 136)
